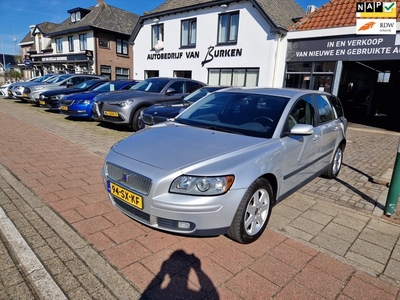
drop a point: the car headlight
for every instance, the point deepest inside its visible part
(204, 186)
(84, 102)
(122, 103)
(58, 97)
(37, 88)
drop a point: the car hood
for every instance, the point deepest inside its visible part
(122, 95)
(190, 145)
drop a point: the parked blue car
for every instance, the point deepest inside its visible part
(80, 105)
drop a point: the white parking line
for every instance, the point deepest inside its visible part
(38, 275)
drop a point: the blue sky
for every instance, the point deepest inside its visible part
(17, 15)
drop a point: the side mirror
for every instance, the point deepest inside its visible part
(170, 91)
(302, 129)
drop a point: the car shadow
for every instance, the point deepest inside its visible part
(114, 126)
(171, 282)
(358, 192)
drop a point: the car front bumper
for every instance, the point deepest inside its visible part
(177, 213)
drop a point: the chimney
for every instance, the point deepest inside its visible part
(31, 28)
(99, 2)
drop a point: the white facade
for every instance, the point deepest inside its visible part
(256, 48)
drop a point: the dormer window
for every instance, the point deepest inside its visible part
(75, 16)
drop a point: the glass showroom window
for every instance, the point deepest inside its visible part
(71, 43)
(157, 34)
(122, 47)
(188, 33)
(83, 41)
(228, 25)
(233, 77)
(59, 48)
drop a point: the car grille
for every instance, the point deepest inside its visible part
(138, 213)
(130, 179)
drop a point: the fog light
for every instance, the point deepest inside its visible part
(184, 225)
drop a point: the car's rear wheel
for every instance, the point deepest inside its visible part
(253, 213)
(336, 164)
(136, 123)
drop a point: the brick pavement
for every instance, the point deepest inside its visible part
(327, 241)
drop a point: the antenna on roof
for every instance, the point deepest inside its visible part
(310, 9)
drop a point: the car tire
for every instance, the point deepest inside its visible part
(253, 213)
(336, 164)
(136, 123)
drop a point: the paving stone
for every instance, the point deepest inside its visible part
(331, 243)
(371, 251)
(342, 232)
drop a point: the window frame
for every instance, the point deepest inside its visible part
(71, 43)
(59, 45)
(187, 38)
(160, 35)
(230, 28)
(83, 41)
(122, 47)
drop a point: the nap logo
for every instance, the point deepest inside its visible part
(376, 9)
(376, 26)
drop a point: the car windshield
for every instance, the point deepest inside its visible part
(198, 94)
(58, 78)
(243, 113)
(109, 87)
(85, 84)
(153, 85)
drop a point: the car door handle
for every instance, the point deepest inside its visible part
(316, 137)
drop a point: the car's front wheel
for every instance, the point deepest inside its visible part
(136, 123)
(253, 213)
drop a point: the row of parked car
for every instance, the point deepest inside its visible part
(211, 166)
(115, 101)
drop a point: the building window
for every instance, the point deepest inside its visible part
(157, 36)
(184, 74)
(122, 47)
(310, 75)
(71, 43)
(104, 43)
(151, 73)
(228, 25)
(59, 48)
(233, 77)
(105, 71)
(75, 16)
(121, 73)
(83, 41)
(188, 33)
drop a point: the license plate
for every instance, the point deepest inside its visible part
(9, 92)
(42, 102)
(26, 95)
(110, 113)
(64, 107)
(125, 195)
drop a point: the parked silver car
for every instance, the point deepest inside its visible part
(124, 107)
(223, 163)
(32, 92)
(16, 90)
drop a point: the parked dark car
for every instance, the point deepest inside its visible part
(124, 107)
(161, 112)
(51, 98)
(221, 165)
(80, 104)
